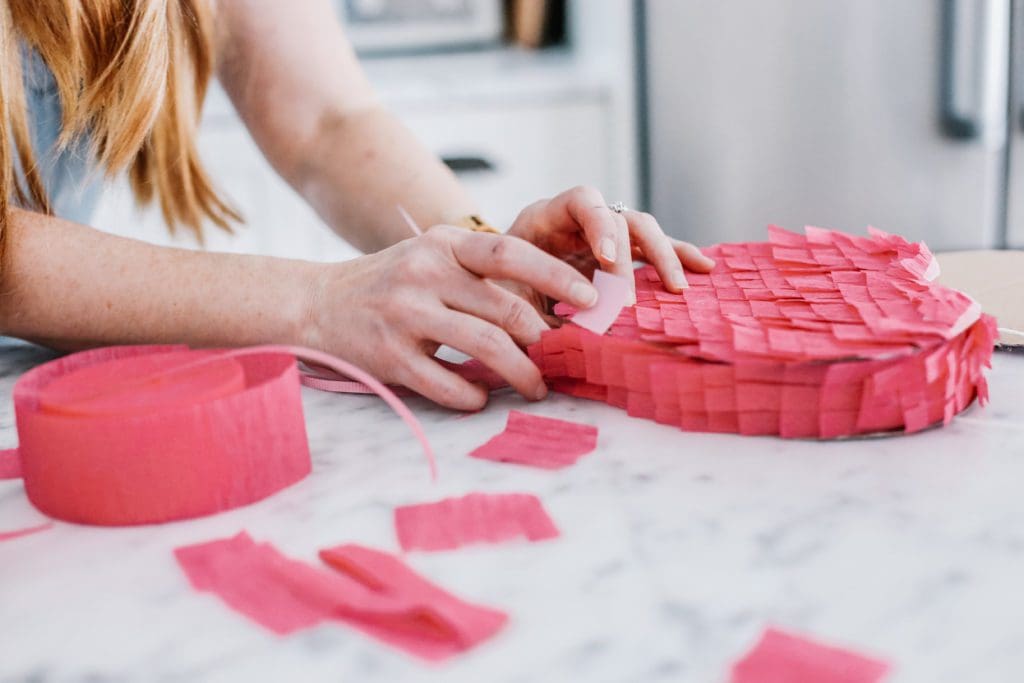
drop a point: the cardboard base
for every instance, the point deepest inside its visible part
(995, 279)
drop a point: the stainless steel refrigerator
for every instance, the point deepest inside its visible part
(904, 115)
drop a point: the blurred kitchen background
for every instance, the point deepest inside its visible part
(718, 117)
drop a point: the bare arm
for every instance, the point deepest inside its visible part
(300, 90)
(69, 286)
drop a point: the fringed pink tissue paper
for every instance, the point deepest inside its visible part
(368, 590)
(820, 335)
(474, 518)
(780, 657)
(537, 441)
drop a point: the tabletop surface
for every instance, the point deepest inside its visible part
(676, 550)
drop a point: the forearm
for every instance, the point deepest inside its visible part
(367, 163)
(69, 286)
(298, 86)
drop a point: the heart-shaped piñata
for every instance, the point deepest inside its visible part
(818, 335)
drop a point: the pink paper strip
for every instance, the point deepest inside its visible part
(407, 610)
(475, 518)
(613, 293)
(10, 464)
(781, 657)
(340, 366)
(18, 533)
(371, 591)
(253, 579)
(537, 441)
(322, 379)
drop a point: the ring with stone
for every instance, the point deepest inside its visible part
(618, 207)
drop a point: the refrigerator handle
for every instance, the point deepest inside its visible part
(972, 38)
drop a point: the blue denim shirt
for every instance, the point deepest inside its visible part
(72, 181)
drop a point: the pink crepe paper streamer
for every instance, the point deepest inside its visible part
(18, 533)
(781, 657)
(323, 379)
(371, 591)
(537, 441)
(341, 386)
(10, 464)
(613, 292)
(475, 518)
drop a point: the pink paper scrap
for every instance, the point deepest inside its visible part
(322, 379)
(537, 441)
(18, 533)
(781, 657)
(613, 292)
(10, 464)
(474, 518)
(418, 615)
(371, 591)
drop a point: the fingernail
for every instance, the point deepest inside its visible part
(541, 393)
(608, 251)
(678, 279)
(583, 294)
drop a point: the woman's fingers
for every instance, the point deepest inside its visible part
(510, 258)
(605, 230)
(495, 304)
(657, 249)
(691, 257)
(478, 317)
(666, 254)
(428, 378)
(489, 344)
(580, 218)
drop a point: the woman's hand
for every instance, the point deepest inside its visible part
(388, 312)
(578, 227)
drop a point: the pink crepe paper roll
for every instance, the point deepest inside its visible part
(146, 434)
(142, 384)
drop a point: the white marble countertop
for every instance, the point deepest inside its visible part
(677, 549)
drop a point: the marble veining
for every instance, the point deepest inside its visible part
(677, 549)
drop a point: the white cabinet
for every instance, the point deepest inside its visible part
(277, 220)
(523, 152)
